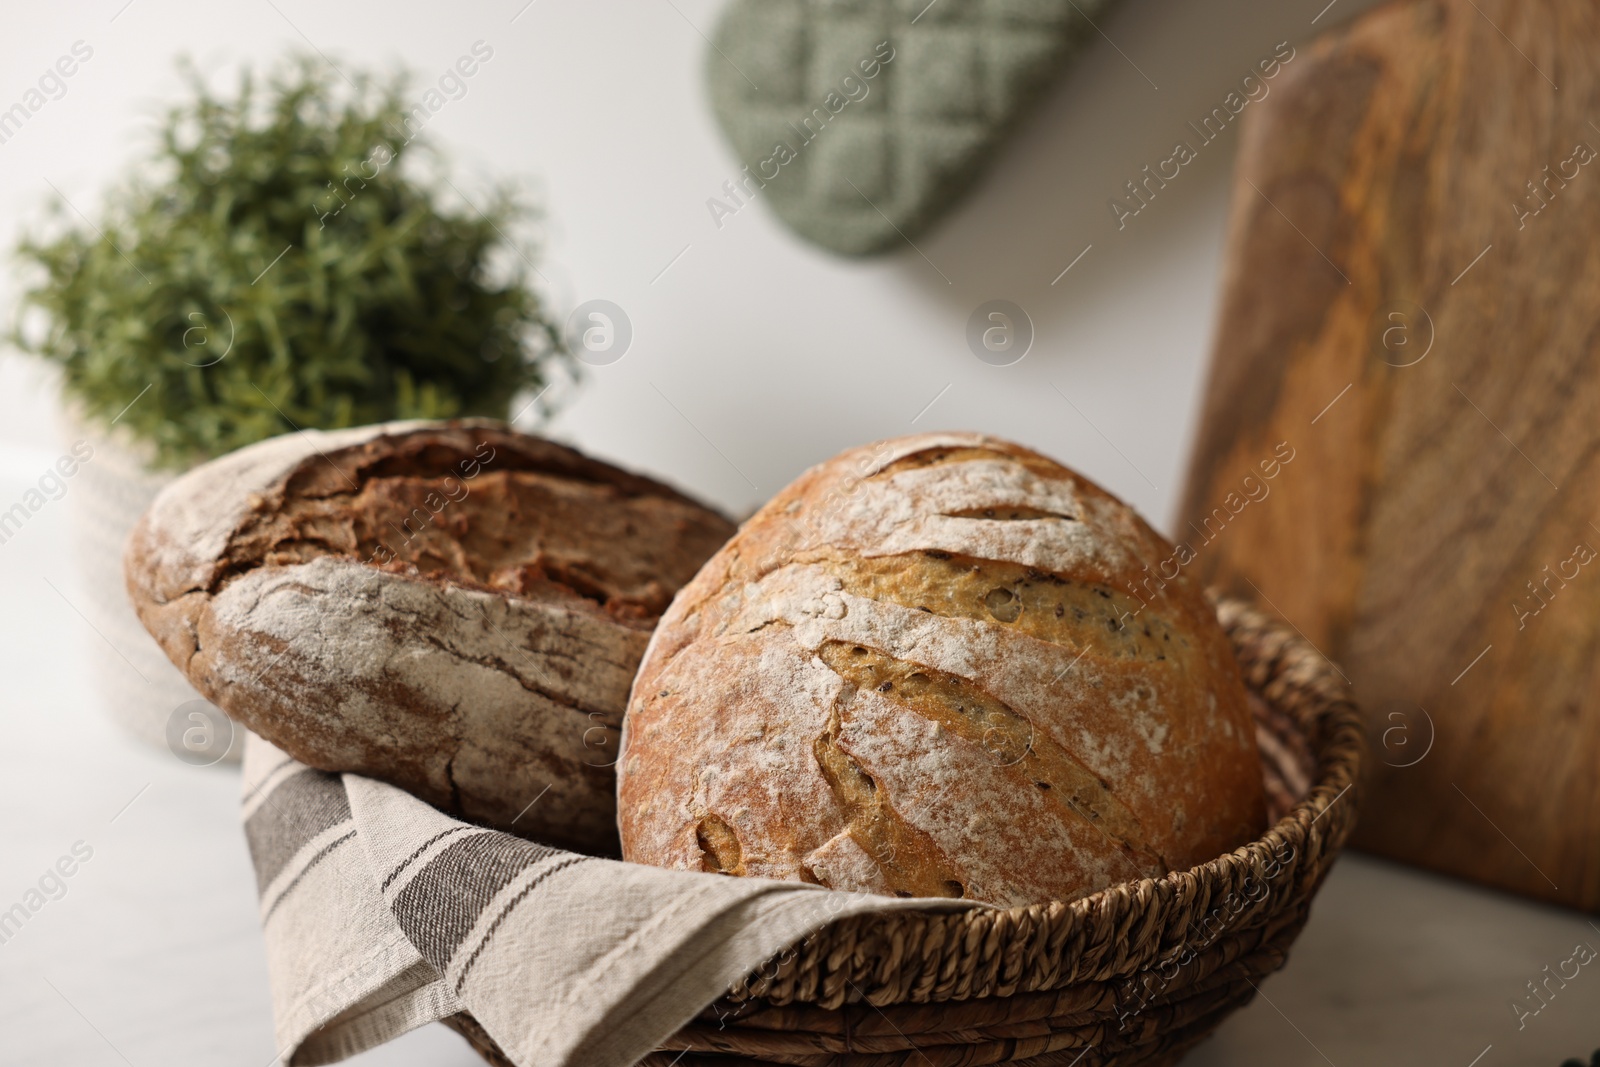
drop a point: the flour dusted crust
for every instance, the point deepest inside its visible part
(941, 665)
(455, 608)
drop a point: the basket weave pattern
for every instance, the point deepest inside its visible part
(1133, 974)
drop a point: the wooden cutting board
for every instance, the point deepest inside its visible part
(1412, 313)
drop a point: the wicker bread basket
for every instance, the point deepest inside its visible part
(1134, 974)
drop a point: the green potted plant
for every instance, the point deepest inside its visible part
(279, 262)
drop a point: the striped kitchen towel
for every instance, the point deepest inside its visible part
(381, 914)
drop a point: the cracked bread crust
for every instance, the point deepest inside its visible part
(455, 608)
(941, 665)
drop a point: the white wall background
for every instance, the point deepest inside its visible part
(776, 356)
(779, 354)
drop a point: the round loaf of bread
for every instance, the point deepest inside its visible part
(942, 665)
(455, 608)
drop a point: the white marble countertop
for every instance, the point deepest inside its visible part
(772, 354)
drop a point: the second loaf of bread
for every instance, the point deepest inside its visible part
(455, 608)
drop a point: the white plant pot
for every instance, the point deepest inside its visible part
(138, 685)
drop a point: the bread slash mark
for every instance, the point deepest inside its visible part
(720, 851)
(911, 863)
(939, 456)
(1008, 513)
(1072, 613)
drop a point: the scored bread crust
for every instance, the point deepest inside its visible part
(455, 608)
(941, 665)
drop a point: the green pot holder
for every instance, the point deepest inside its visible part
(862, 121)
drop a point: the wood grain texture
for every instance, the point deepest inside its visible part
(1411, 303)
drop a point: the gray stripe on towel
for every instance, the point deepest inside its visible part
(438, 907)
(302, 806)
